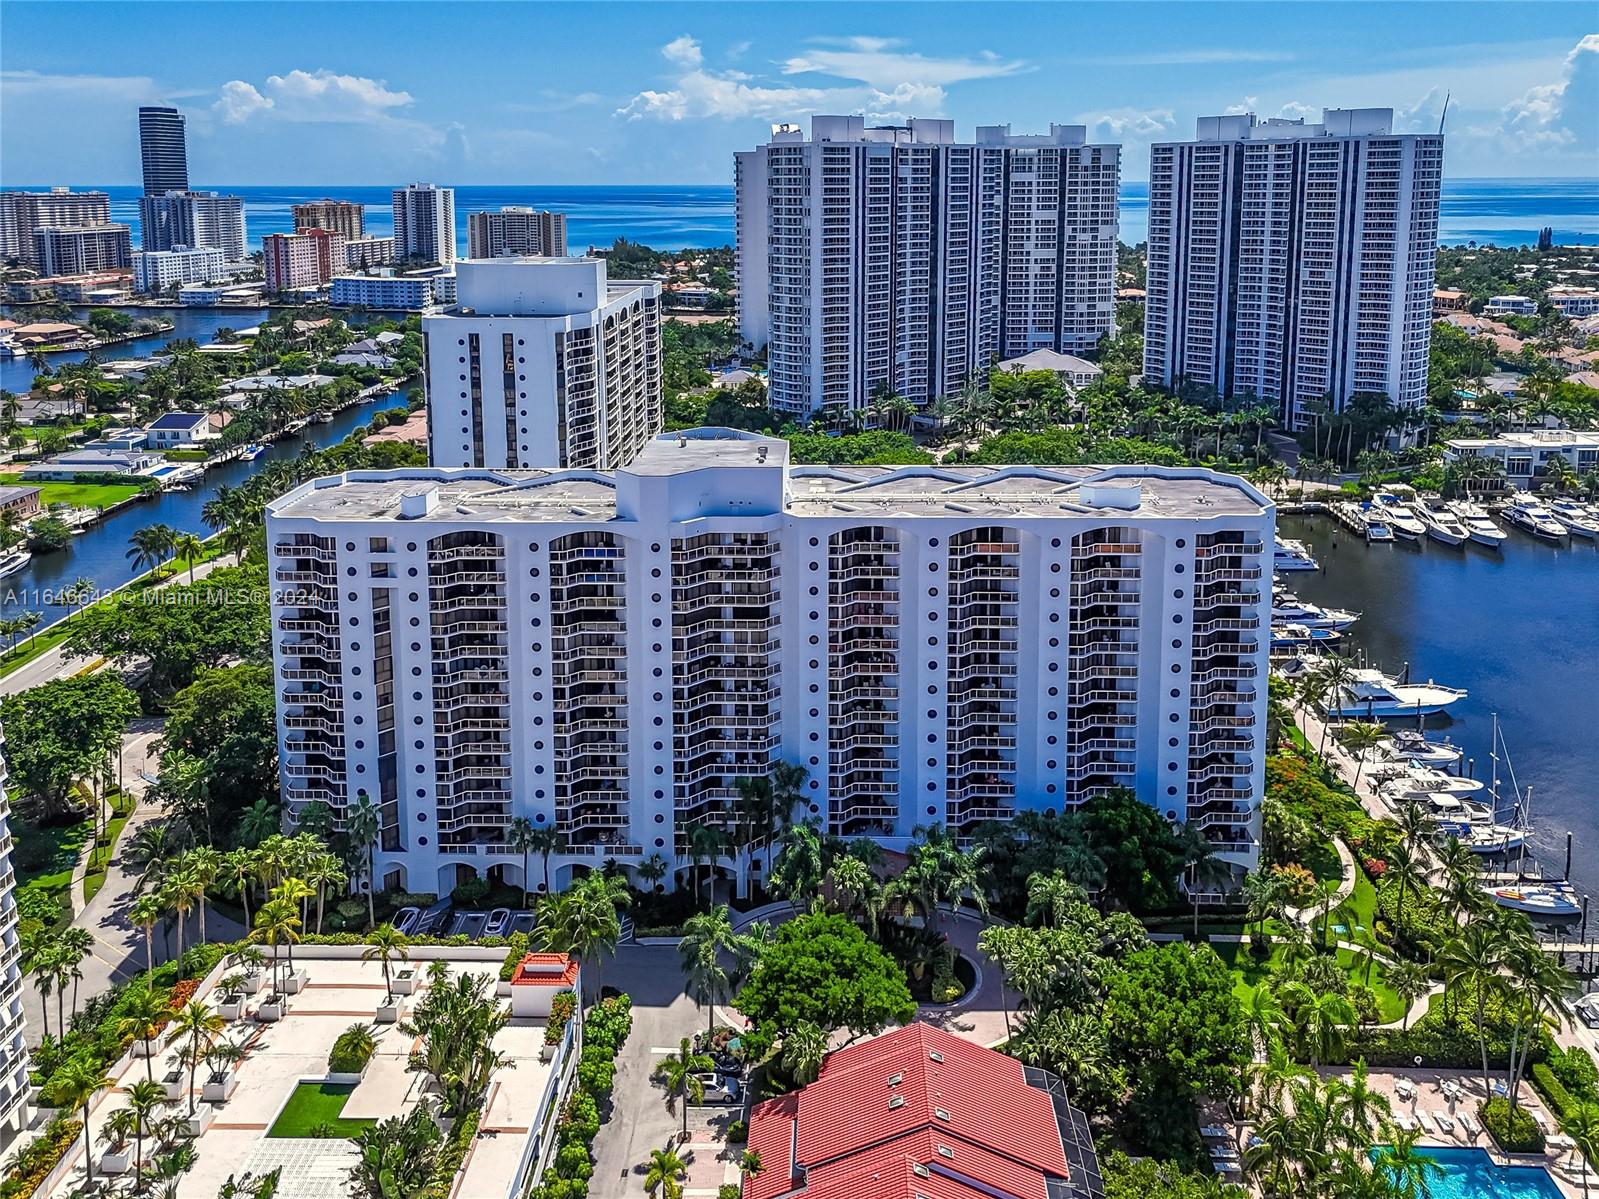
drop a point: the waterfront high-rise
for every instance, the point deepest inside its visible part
(81, 250)
(193, 219)
(14, 1062)
(60, 208)
(163, 152)
(897, 259)
(609, 654)
(1294, 262)
(307, 259)
(517, 232)
(543, 362)
(424, 223)
(344, 217)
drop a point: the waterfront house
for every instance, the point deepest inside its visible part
(117, 439)
(44, 334)
(1071, 370)
(66, 466)
(1525, 455)
(178, 431)
(21, 502)
(278, 382)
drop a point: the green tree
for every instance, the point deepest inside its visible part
(196, 1027)
(385, 943)
(713, 957)
(396, 1157)
(64, 730)
(72, 1088)
(363, 823)
(678, 1073)
(583, 920)
(665, 1172)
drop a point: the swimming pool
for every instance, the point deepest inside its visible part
(1472, 1174)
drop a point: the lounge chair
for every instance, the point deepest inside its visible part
(1541, 1121)
(1214, 1132)
(1467, 1123)
(1404, 1088)
(1444, 1123)
(1405, 1121)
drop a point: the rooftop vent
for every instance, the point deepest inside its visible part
(1126, 496)
(760, 453)
(941, 1114)
(896, 1101)
(935, 1055)
(895, 1079)
(946, 1151)
(419, 503)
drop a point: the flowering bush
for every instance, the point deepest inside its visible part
(1375, 868)
(1301, 883)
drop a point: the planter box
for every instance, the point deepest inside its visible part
(200, 1121)
(116, 1163)
(219, 1088)
(271, 1009)
(231, 1007)
(405, 983)
(253, 981)
(141, 1048)
(294, 983)
(175, 1084)
(390, 1012)
(547, 1051)
(502, 989)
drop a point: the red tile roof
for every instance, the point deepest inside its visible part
(966, 1113)
(548, 976)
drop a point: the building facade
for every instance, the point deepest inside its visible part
(344, 217)
(424, 223)
(610, 653)
(1525, 456)
(898, 259)
(1294, 262)
(14, 1063)
(516, 233)
(407, 293)
(83, 250)
(60, 208)
(193, 219)
(163, 151)
(309, 258)
(366, 252)
(157, 270)
(543, 361)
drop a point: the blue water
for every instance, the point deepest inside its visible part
(1496, 211)
(1471, 1174)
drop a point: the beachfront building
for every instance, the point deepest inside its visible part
(363, 253)
(1292, 261)
(608, 653)
(157, 270)
(517, 233)
(424, 223)
(193, 219)
(344, 217)
(306, 259)
(82, 249)
(897, 258)
(543, 362)
(14, 1062)
(163, 150)
(388, 291)
(59, 208)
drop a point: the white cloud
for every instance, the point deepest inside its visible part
(1130, 124)
(1564, 113)
(312, 96)
(109, 87)
(881, 63)
(1196, 56)
(1247, 104)
(684, 51)
(1298, 110)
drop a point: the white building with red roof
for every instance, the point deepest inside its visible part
(919, 1113)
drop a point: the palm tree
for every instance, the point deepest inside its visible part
(151, 546)
(1408, 871)
(1049, 896)
(197, 1026)
(146, 914)
(1360, 738)
(1582, 1126)
(652, 870)
(665, 1173)
(204, 863)
(1355, 1105)
(385, 943)
(678, 1072)
(1409, 981)
(145, 1098)
(238, 872)
(1473, 960)
(72, 1089)
(324, 870)
(363, 823)
(521, 840)
(1411, 1170)
(188, 547)
(277, 923)
(179, 892)
(708, 938)
(582, 921)
(260, 821)
(144, 1014)
(76, 946)
(1325, 1020)
(804, 1048)
(706, 843)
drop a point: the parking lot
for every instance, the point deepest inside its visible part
(442, 920)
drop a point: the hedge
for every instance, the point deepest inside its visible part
(351, 1051)
(1518, 1135)
(32, 1164)
(607, 1026)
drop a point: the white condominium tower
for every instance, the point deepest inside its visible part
(424, 222)
(609, 653)
(516, 231)
(895, 258)
(543, 362)
(1294, 262)
(13, 1052)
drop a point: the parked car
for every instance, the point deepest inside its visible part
(1587, 1009)
(405, 920)
(719, 1088)
(499, 923)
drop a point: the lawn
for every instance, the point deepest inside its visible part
(45, 857)
(314, 1105)
(1250, 972)
(79, 495)
(100, 858)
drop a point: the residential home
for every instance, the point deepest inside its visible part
(1074, 372)
(178, 431)
(67, 466)
(21, 502)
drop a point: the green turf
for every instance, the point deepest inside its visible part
(1250, 972)
(314, 1104)
(79, 495)
(45, 857)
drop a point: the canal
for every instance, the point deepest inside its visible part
(1517, 628)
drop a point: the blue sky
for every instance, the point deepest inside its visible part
(619, 93)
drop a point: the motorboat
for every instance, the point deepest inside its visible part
(1411, 745)
(1442, 525)
(252, 452)
(1494, 838)
(14, 560)
(1531, 517)
(1377, 530)
(320, 417)
(1416, 782)
(1479, 525)
(1371, 693)
(1290, 609)
(1581, 521)
(1298, 636)
(1542, 899)
(1292, 555)
(1396, 514)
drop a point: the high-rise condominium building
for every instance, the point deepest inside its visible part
(897, 259)
(516, 232)
(82, 250)
(193, 219)
(60, 208)
(344, 217)
(163, 151)
(13, 1051)
(610, 653)
(366, 252)
(1294, 262)
(309, 258)
(157, 270)
(424, 222)
(543, 362)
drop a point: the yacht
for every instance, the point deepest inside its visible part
(1376, 530)
(1531, 517)
(1479, 525)
(1292, 555)
(252, 452)
(14, 560)
(1412, 746)
(1298, 636)
(1417, 782)
(1494, 838)
(320, 417)
(1582, 522)
(1442, 525)
(1543, 899)
(1371, 693)
(1396, 514)
(1290, 609)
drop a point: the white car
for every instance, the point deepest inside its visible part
(405, 919)
(1587, 1009)
(499, 923)
(719, 1088)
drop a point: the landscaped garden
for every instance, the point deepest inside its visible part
(313, 1110)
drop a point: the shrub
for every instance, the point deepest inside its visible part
(738, 1132)
(513, 956)
(352, 1050)
(1514, 1132)
(609, 1022)
(31, 1164)
(729, 1190)
(562, 1005)
(1553, 1090)
(1300, 882)
(451, 1156)
(470, 893)
(1576, 1072)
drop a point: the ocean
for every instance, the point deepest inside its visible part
(1491, 211)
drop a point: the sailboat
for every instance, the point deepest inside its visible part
(1483, 834)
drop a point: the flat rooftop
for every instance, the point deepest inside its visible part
(1532, 439)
